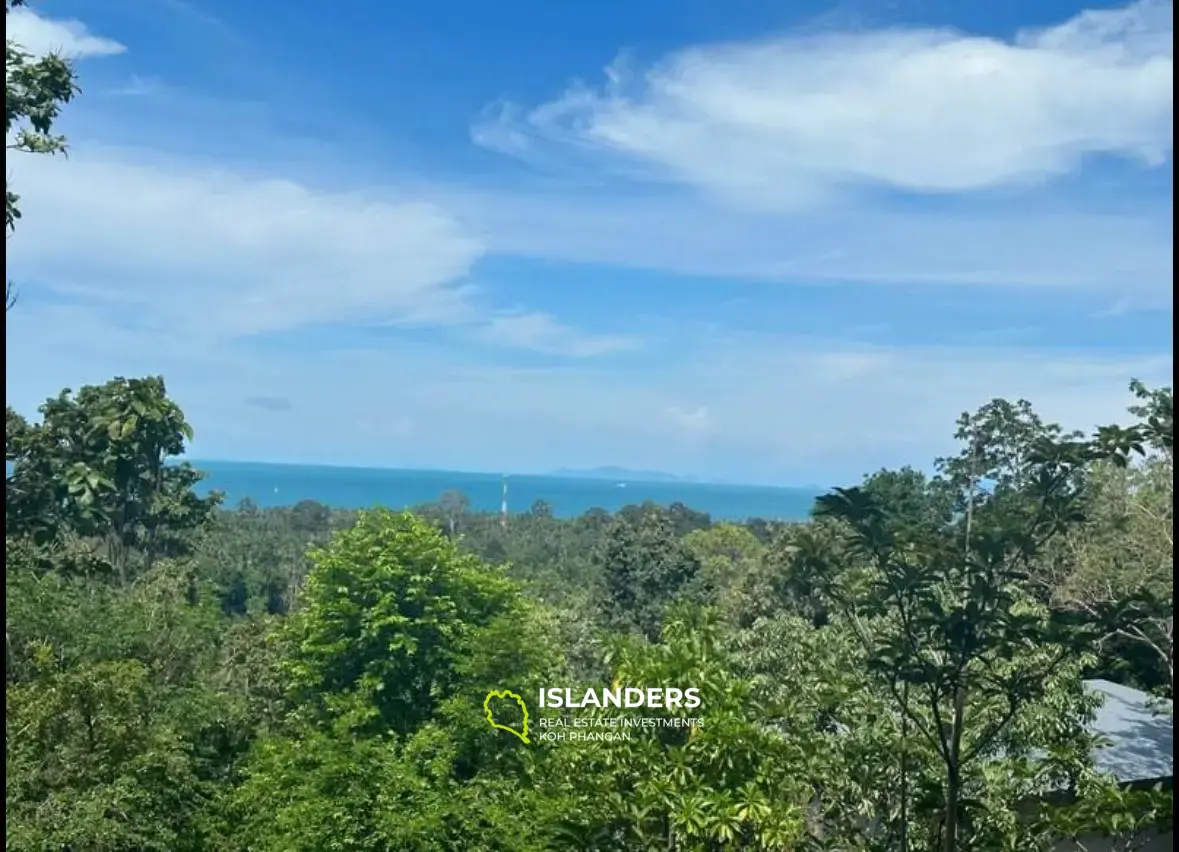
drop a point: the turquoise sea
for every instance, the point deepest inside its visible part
(361, 487)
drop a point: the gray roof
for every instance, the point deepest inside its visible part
(1137, 729)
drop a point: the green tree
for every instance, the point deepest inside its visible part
(454, 506)
(310, 516)
(685, 520)
(739, 780)
(1127, 819)
(944, 610)
(257, 560)
(729, 556)
(816, 680)
(123, 718)
(398, 640)
(34, 92)
(388, 609)
(1118, 568)
(325, 788)
(97, 467)
(645, 567)
(801, 564)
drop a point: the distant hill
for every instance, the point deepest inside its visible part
(619, 474)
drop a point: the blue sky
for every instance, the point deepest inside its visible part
(762, 241)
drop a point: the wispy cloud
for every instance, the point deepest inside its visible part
(542, 333)
(786, 121)
(763, 407)
(349, 288)
(270, 403)
(893, 156)
(168, 243)
(235, 254)
(41, 36)
(139, 87)
(1023, 243)
(149, 238)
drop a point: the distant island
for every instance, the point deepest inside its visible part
(619, 474)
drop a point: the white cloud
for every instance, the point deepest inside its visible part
(41, 36)
(232, 254)
(542, 333)
(844, 404)
(758, 408)
(692, 428)
(161, 257)
(221, 254)
(785, 121)
(1071, 246)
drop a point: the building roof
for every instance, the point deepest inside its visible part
(1137, 729)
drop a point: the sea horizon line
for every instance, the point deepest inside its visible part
(664, 479)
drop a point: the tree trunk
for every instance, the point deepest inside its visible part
(904, 838)
(954, 773)
(950, 837)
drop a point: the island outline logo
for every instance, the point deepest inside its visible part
(487, 711)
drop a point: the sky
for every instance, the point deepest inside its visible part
(771, 242)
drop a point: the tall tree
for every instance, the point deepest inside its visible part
(729, 556)
(740, 780)
(35, 89)
(454, 506)
(387, 610)
(645, 568)
(1119, 567)
(944, 607)
(98, 466)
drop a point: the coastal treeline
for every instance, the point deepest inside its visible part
(902, 671)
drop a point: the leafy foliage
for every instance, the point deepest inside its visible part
(903, 672)
(645, 568)
(97, 468)
(388, 608)
(35, 89)
(943, 610)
